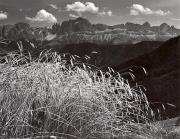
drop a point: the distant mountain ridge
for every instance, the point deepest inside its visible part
(80, 30)
(80, 24)
(23, 31)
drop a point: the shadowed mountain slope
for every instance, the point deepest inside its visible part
(163, 80)
(107, 55)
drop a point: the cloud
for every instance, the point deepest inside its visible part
(162, 13)
(87, 7)
(137, 9)
(73, 15)
(104, 13)
(20, 10)
(109, 13)
(175, 19)
(43, 16)
(80, 7)
(3, 15)
(54, 6)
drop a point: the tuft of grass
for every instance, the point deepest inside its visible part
(53, 97)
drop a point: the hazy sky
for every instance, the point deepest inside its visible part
(47, 12)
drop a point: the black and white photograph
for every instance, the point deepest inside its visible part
(89, 69)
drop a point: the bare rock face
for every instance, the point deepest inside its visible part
(77, 25)
(20, 31)
(100, 27)
(133, 27)
(5, 30)
(164, 27)
(146, 26)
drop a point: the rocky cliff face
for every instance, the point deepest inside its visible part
(146, 25)
(83, 25)
(164, 27)
(5, 30)
(81, 30)
(133, 27)
(77, 25)
(21, 31)
(100, 27)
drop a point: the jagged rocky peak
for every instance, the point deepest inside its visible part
(21, 25)
(132, 26)
(164, 27)
(5, 30)
(56, 28)
(100, 27)
(146, 25)
(20, 31)
(78, 25)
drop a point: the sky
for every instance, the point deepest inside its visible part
(111, 12)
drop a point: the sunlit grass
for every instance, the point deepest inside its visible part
(49, 96)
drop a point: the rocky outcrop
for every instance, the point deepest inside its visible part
(77, 25)
(133, 27)
(164, 28)
(56, 29)
(146, 26)
(20, 31)
(100, 27)
(5, 30)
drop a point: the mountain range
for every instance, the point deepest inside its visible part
(80, 30)
(82, 25)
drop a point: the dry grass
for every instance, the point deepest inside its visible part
(59, 100)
